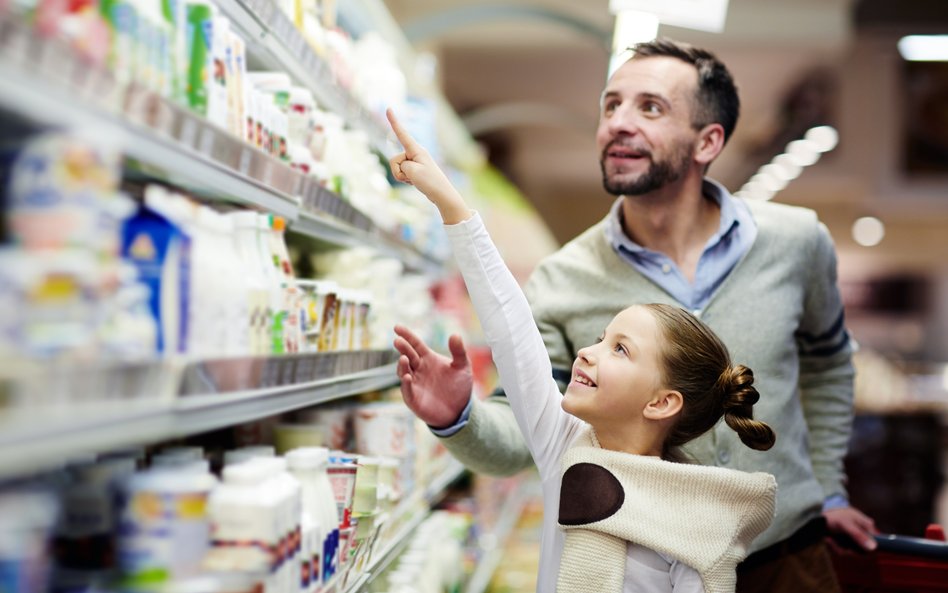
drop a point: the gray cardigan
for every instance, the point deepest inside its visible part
(780, 313)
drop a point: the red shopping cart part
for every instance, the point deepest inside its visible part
(900, 564)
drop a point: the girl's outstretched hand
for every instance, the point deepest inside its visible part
(416, 167)
(436, 388)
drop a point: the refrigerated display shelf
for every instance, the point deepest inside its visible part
(335, 232)
(408, 512)
(274, 43)
(492, 543)
(39, 435)
(45, 82)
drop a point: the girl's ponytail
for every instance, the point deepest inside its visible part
(739, 396)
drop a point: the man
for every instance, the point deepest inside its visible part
(762, 275)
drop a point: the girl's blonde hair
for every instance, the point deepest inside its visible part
(696, 363)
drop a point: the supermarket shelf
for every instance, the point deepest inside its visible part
(493, 543)
(43, 81)
(323, 227)
(391, 549)
(41, 435)
(274, 43)
(49, 85)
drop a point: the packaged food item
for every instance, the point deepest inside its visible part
(200, 38)
(387, 429)
(160, 249)
(323, 314)
(27, 517)
(342, 476)
(292, 301)
(243, 525)
(309, 465)
(245, 244)
(164, 527)
(334, 421)
(292, 436)
(84, 541)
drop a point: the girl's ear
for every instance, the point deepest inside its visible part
(665, 404)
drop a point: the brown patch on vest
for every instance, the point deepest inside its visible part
(589, 493)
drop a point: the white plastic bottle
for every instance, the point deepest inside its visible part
(233, 289)
(245, 243)
(292, 298)
(277, 303)
(302, 464)
(309, 464)
(240, 524)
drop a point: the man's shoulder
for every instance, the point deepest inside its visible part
(773, 213)
(783, 220)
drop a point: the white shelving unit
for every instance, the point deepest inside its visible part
(168, 399)
(492, 543)
(43, 82)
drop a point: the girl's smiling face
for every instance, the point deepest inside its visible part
(616, 377)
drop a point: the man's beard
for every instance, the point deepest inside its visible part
(658, 174)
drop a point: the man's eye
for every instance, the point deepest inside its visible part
(652, 109)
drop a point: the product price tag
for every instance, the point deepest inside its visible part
(288, 372)
(265, 10)
(305, 370)
(162, 116)
(271, 373)
(15, 43)
(266, 175)
(311, 63)
(54, 63)
(206, 141)
(188, 130)
(301, 47)
(243, 163)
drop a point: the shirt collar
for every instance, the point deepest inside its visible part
(710, 188)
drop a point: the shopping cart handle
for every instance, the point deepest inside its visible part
(914, 546)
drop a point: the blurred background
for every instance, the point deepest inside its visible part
(203, 254)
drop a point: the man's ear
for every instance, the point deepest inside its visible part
(665, 404)
(710, 143)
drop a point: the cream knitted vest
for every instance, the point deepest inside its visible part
(705, 517)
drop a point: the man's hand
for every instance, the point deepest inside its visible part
(436, 388)
(851, 522)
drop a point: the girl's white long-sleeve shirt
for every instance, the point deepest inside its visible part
(526, 375)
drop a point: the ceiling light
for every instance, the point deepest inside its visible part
(868, 231)
(824, 138)
(803, 152)
(769, 182)
(633, 26)
(784, 168)
(924, 48)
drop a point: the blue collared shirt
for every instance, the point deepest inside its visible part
(734, 237)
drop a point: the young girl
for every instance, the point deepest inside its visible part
(621, 512)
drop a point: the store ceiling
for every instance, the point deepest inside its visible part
(526, 76)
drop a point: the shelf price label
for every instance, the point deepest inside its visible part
(206, 141)
(188, 130)
(243, 162)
